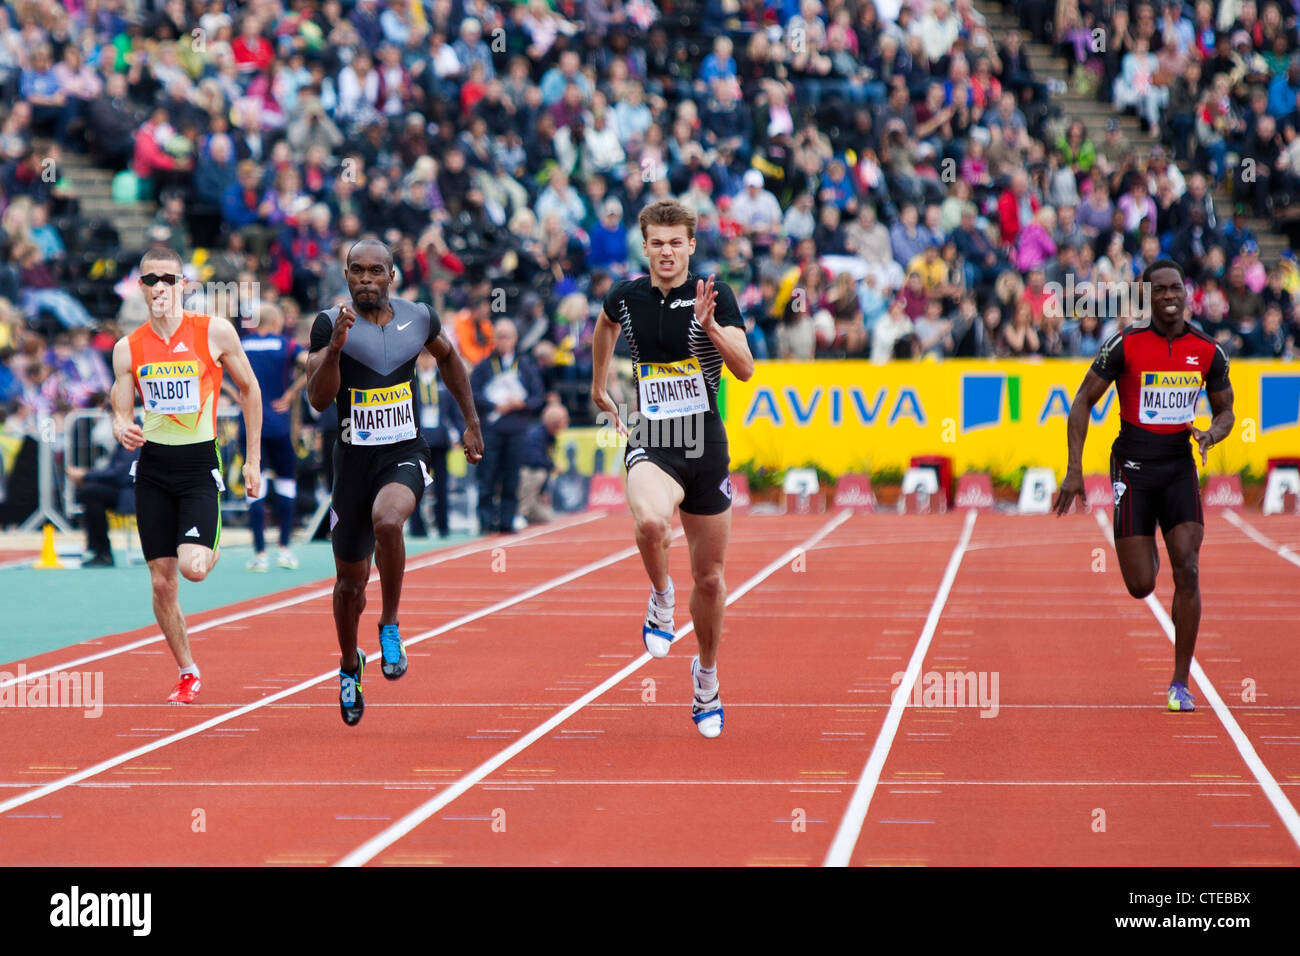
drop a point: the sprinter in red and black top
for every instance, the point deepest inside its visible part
(1158, 370)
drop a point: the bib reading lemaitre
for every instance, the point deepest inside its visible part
(376, 399)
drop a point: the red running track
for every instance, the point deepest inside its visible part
(806, 676)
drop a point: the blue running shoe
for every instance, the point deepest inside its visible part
(390, 645)
(351, 701)
(1180, 698)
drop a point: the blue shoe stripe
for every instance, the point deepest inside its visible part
(708, 713)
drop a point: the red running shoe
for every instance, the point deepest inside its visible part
(186, 691)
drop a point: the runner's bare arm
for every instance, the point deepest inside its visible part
(125, 429)
(452, 370)
(603, 341)
(223, 343)
(1090, 392)
(1221, 421)
(729, 340)
(323, 364)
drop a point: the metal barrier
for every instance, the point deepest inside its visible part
(83, 449)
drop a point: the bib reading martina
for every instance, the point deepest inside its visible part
(376, 370)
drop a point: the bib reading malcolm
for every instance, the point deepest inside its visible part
(382, 416)
(170, 388)
(673, 389)
(1169, 398)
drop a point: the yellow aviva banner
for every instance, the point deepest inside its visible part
(993, 416)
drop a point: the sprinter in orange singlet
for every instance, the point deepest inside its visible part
(174, 362)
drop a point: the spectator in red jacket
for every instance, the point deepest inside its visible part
(253, 52)
(1016, 207)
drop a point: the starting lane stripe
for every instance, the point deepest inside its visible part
(846, 837)
(1250, 531)
(387, 837)
(56, 785)
(1290, 819)
(439, 558)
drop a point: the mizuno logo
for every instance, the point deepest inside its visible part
(1132, 466)
(1191, 360)
(400, 327)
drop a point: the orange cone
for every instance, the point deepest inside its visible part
(49, 557)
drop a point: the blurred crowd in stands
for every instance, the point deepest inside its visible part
(884, 179)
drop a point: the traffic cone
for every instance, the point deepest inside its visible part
(49, 557)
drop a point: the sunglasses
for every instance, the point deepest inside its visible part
(152, 280)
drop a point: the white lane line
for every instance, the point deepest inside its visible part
(530, 783)
(439, 558)
(846, 837)
(386, 838)
(1284, 808)
(56, 785)
(1250, 531)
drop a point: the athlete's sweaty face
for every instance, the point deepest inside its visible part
(370, 272)
(1168, 295)
(669, 251)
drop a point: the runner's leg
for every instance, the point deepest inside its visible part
(167, 608)
(652, 495)
(349, 602)
(707, 537)
(393, 506)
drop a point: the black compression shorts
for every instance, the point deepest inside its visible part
(1151, 491)
(177, 497)
(359, 474)
(706, 479)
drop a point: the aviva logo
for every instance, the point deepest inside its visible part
(988, 400)
(370, 397)
(982, 402)
(1172, 379)
(1279, 401)
(167, 369)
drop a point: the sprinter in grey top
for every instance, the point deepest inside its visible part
(363, 359)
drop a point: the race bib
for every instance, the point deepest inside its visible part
(672, 390)
(170, 388)
(382, 416)
(1169, 398)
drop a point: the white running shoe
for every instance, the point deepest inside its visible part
(259, 563)
(657, 631)
(706, 708)
(286, 560)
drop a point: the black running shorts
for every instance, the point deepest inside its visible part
(705, 479)
(359, 474)
(177, 497)
(1163, 491)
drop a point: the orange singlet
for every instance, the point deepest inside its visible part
(178, 382)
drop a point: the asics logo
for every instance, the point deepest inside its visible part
(680, 303)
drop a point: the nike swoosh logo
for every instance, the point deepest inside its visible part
(400, 327)
(401, 463)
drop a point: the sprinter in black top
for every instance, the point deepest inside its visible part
(364, 362)
(681, 329)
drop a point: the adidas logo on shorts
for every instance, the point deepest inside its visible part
(193, 532)
(1120, 488)
(725, 487)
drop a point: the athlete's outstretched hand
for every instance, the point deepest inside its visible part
(706, 301)
(341, 326)
(472, 441)
(1071, 487)
(1204, 439)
